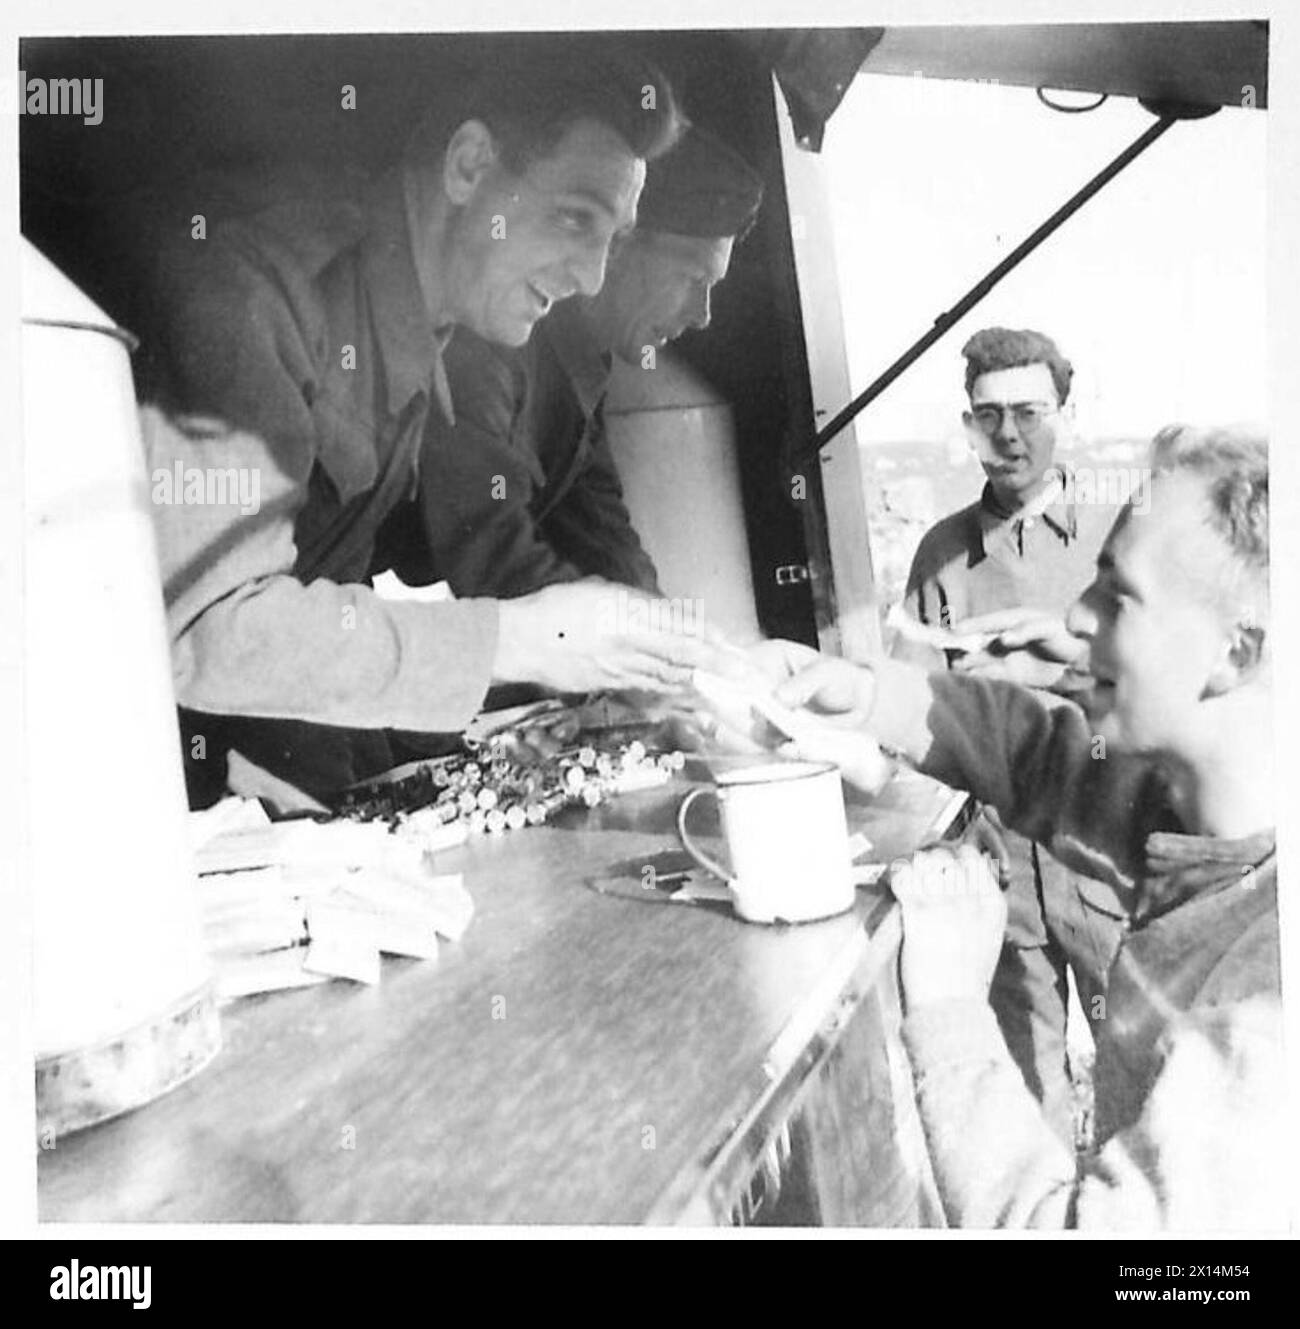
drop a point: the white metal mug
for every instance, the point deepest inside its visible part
(786, 837)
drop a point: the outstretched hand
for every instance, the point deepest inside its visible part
(833, 698)
(592, 635)
(1030, 647)
(1027, 628)
(808, 705)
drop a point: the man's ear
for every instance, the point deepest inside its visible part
(1247, 649)
(1242, 657)
(471, 154)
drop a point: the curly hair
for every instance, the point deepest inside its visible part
(992, 349)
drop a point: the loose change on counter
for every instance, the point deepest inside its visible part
(299, 901)
(505, 785)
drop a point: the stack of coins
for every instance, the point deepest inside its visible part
(491, 790)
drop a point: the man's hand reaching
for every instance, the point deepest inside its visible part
(592, 635)
(1031, 647)
(832, 699)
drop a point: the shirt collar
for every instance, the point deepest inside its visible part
(410, 346)
(586, 365)
(1058, 512)
(1182, 867)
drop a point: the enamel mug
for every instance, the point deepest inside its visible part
(786, 838)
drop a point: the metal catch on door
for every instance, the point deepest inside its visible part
(791, 574)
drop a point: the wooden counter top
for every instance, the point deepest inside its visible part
(576, 1058)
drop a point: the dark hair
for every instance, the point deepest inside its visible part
(1012, 348)
(532, 96)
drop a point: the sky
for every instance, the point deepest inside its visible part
(1155, 290)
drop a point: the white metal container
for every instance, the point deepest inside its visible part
(123, 1004)
(674, 441)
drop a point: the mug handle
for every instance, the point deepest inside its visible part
(710, 865)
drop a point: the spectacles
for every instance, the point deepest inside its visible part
(1028, 415)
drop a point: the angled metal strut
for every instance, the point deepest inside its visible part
(981, 288)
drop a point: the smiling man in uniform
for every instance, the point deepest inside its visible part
(302, 336)
(522, 491)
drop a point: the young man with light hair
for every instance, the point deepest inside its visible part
(1162, 786)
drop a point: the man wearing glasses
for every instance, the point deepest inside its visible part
(1027, 542)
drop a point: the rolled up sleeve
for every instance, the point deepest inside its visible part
(247, 637)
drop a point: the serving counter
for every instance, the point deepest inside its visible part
(579, 1057)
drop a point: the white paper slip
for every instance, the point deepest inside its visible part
(303, 843)
(728, 693)
(452, 904)
(939, 639)
(343, 944)
(439, 899)
(221, 891)
(403, 915)
(338, 959)
(271, 971)
(230, 814)
(253, 930)
(393, 929)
